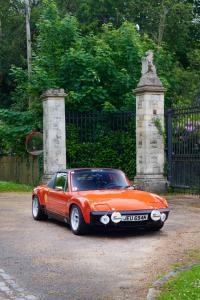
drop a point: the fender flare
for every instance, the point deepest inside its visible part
(84, 207)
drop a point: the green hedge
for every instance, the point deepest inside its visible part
(115, 149)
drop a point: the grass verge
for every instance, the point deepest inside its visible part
(14, 187)
(185, 286)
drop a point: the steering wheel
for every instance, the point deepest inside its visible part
(112, 185)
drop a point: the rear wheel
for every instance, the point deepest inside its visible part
(37, 211)
(77, 222)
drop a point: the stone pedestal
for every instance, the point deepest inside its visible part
(54, 132)
(149, 139)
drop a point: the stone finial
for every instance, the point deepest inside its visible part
(54, 93)
(149, 75)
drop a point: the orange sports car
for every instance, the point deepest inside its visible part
(97, 197)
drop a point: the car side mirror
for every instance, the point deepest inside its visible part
(59, 188)
(132, 187)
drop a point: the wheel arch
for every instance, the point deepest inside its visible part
(39, 193)
(83, 206)
(41, 213)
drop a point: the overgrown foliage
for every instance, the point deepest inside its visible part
(14, 127)
(111, 148)
(93, 50)
(94, 69)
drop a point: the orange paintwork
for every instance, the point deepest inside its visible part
(59, 202)
(119, 200)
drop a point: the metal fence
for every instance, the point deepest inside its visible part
(99, 139)
(184, 149)
(91, 125)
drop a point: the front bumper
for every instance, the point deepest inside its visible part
(95, 218)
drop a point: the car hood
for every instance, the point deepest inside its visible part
(105, 200)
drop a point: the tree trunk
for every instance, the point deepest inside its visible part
(162, 24)
(1, 33)
(28, 39)
(28, 36)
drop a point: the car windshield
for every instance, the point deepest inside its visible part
(84, 180)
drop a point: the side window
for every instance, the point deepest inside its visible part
(61, 181)
(51, 182)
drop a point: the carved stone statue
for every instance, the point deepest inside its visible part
(147, 63)
(149, 76)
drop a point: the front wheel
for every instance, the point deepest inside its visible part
(37, 211)
(77, 222)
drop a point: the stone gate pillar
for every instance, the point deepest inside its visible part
(149, 127)
(54, 136)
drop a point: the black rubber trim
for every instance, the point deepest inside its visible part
(130, 212)
(95, 218)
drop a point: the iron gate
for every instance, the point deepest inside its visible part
(184, 148)
(91, 125)
(101, 139)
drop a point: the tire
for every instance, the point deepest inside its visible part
(77, 222)
(157, 227)
(37, 211)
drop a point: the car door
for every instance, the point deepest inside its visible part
(58, 195)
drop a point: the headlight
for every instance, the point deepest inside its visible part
(116, 217)
(155, 215)
(105, 219)
(163, 217)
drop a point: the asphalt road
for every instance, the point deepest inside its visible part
(51, 263)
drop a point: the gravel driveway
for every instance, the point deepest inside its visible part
(51, 263)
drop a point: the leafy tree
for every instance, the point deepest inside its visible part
(12, 49)
(163, 21)
(103, 68)
(155, 18)
(93, 50)
(13, 43)
(14, 127)
(94, 69)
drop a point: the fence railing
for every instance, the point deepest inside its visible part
(99, 139)
(91, 125)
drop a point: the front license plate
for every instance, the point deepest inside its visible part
(132, 218)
